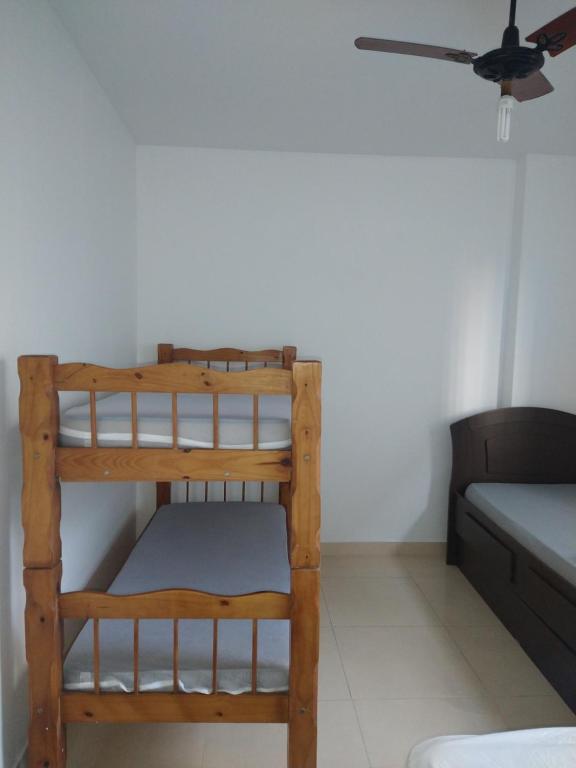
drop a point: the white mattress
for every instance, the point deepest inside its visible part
(540, 748)
(195, 427)
(224, 548)
(540, 517)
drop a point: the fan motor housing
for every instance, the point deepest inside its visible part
(509, 63)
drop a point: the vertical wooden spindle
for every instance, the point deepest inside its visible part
(246, 365)
(205, 491)
(215, 422)
(215, 656)
(254, 655)
(255, 422)
(136, 654)
(93, 427)
(225, 484)
(187, 492)
(227, 366)
(96, 642)
(134, 413)
(243, 490)
(174, 420)
(261, 491)
(175, 657)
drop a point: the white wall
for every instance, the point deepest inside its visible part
(67, 250)
(392, 270)
(545, 359)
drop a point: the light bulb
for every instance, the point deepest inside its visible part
(504, 117)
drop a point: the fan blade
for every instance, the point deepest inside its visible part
(532, 87)
(558, 35)
(414, 49)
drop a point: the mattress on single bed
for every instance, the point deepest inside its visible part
(224, 548)
(537, 748)
(195, 422)
(540, 517)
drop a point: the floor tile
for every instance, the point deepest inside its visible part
(522, 712)
(456, 602)
(229, 745)
(340, 743)
(332, 681)
(431, 566)
(404, 662)
(324, 616)
(499, 662)
(357, 566)
(377, 602)
(145, 745)
(391, 728)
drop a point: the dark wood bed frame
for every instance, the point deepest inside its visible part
(537, 605)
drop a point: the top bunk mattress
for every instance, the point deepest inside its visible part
(195, 423)
(540, 517)
(223, 548)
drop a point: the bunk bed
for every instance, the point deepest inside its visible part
(214, 616)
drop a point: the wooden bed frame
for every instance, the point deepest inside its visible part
(537, 605)
(46, 464)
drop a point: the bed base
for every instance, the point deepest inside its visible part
(45, 465)
(538, 607)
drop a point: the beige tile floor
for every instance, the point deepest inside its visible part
(408, 651)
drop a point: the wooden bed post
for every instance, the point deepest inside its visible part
(39, 417)
(164, 490)
(305, 564)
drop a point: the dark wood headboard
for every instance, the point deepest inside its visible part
(514, 445)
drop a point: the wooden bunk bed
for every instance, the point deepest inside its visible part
(48, 461)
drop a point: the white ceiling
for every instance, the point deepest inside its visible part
(284, 74)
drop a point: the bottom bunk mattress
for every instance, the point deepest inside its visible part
(224, 548)
(539, 748)
(540, 517)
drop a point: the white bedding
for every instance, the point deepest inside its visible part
(195, 426)
(541, 748)
(224, 548)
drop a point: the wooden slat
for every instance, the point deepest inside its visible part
(174, 420)
(176, 656)
(46, 735)
(171, 377)
(165, 464)
(254, 655)
(215, 422)
(39, 418)
(304, 652)
(174, 708)
(174, 604)
(93, 421)
(96, 653)
(215, 656)
(228, 354)
(305, 502)
(136, 653)
(134, 417)
(255, 422)
(164, 490)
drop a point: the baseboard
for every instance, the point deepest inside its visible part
(385, 548)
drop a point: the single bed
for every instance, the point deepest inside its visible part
(539, 748)
(221, 548)
(512, 528)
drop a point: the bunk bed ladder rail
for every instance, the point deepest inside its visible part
(175, 605)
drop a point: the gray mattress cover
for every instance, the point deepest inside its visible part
(540, 517)
(195, 428)
(225, 548)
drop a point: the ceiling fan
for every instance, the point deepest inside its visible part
(515, 67)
